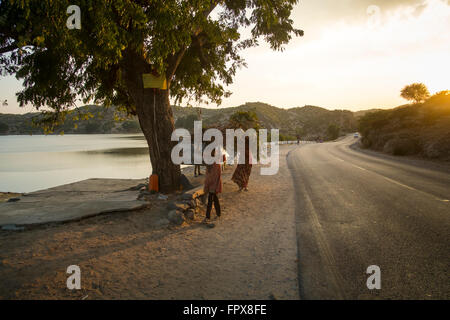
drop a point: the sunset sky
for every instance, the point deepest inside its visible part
(348, 58)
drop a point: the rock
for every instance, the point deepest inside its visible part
(140, 186)
(193, 194)
(162, 197)
(187, 196)
(176, 217)
(181, 206)
(13, 199)
(198, 192)
(190, 214)
(192, 203)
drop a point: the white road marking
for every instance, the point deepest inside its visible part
(393, 181)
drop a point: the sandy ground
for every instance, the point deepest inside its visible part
(250, 254)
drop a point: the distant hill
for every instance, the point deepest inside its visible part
(361, 113)
(309, 122)
(104, 120)
(418, 129)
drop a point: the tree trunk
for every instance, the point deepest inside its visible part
(156, 120)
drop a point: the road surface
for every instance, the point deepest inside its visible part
(355, 209)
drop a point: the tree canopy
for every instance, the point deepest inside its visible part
(197, 52)
(187, 122)
(416, 92)
(244, 120)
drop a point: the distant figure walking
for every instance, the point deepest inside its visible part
(199, 153)
(224, 158)
(212, 187)
(197, 169)
(242, 173)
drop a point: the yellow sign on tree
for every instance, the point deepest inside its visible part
(151, 81)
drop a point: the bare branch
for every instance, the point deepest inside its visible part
(9, 48)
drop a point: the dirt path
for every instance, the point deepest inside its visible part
(250, 254)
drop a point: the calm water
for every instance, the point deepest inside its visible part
(29, 163)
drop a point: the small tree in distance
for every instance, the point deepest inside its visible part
(416, 92)
(333, 131)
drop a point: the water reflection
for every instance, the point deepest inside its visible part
(29, 163)
(123, 152)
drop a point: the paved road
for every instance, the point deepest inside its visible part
(355, 209)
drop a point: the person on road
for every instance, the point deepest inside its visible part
(224, 158)
(197, 169)
(212, 187)
(242, 173)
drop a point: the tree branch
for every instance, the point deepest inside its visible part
(9, 48)
(175, 59)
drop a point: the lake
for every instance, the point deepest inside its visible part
(30, 163)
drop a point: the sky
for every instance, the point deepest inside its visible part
(355, 55)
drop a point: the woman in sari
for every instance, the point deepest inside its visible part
(242, 173)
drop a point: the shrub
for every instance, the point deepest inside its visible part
(333, 131)
(401, 146)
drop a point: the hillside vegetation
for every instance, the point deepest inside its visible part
(418, 129)
(307, 122)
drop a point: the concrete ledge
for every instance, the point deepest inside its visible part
(72, 202)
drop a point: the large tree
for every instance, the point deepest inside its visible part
(194, 44)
